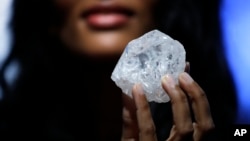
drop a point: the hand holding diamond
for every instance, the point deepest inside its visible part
(152, 69)
(138, 123)
(145, 60)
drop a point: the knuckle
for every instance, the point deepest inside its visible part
(144, 106)
(195, 90)
(207, 127)
(179, 97)
(182, 97)
(186, 131)
(148, 129)
(198, 95)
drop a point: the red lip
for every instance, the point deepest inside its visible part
(107, 16)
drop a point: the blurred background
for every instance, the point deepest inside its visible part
(235, 23)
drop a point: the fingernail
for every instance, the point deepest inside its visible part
(186, 77)
(139, 89)
(168, 80)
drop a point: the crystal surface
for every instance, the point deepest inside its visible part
(145, 60)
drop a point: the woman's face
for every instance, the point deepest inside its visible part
(104, 27)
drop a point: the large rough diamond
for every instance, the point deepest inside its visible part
(145, 60)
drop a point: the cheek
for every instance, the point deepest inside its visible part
(145, 3)
(145, 8)
(146, 17)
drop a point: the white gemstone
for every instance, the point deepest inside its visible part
(145, 60)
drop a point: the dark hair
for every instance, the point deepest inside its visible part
(43, 61)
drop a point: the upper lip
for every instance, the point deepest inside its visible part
(101, 8)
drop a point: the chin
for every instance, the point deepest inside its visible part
(98, 50)
(102, 44)
(103, 50)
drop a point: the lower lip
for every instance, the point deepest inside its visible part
(107, 20)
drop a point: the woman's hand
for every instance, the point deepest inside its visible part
(138, 123)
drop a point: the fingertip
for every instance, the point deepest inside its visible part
(187, 67)
(168, 81)
(137, 89)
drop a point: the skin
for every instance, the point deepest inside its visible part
(136, 112)
(82, 38)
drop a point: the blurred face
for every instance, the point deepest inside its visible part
(104, 27)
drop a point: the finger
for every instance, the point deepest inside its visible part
(180, 107)
(197, 96)
(174, 136)
(130, 128)
(144, 118)
(187, 67)
(199, 103)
